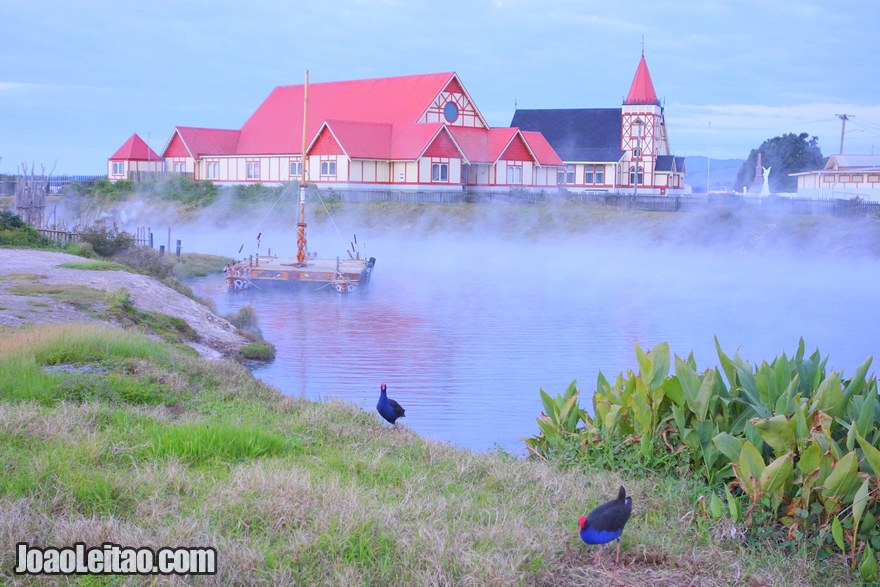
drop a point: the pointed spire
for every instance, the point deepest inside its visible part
(642, 89)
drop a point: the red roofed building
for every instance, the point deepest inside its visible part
(415, 131)
(133, 157)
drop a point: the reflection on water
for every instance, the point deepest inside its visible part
(465, 333)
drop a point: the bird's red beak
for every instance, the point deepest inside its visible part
(581, 522)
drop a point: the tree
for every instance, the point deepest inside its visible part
(789, 153)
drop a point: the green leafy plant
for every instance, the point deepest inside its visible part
(794, 442)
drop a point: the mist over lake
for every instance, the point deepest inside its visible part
(465, 328)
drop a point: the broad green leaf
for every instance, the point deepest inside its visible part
(609, 422)
(857, 381)
(660, 362)
(688, 379)
(868, 566)
(549, 404)
(715, 506)
(646, 367)
(679, 417)
(672, 390)
(704, 395)
(775, 475)
(765, 381)
(842, 476)
(858, 506)
(729, 446)
(778, 432)
(732, 505)
(810, 457)
(865, 421)
(726, 365)
(829, 396)
(801, 429)
(750, 460)
(837, 533)
(872, 454)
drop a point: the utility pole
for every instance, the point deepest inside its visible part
(843, 118)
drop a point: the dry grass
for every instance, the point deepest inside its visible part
(344, 500)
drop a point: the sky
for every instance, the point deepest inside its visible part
(78, 78)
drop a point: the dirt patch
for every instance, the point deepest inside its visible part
(22, 267)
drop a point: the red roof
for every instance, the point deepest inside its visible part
(276, 126)
(642, 89)
(487, 146)
(365, 119)
(134, 149)
(205, 141)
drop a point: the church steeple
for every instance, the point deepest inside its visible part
(641, 92)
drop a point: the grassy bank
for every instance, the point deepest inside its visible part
(107, 436)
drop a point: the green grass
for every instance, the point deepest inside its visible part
(258, 351)
(97, 265)
(199, 265)
(157, 447)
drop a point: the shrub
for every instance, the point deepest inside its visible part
(16, 232)
(797, 444)
(105, 240)
(188, 192)
(146, 260)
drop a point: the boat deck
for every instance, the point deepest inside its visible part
(345, 275)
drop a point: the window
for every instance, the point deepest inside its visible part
(873, 178)
(636, 176)
(179, 167)
(565, 176)
(844, 179)
(450, 112)
(828, 179)
(118, 168)
(439, 172)
(212, 170)
(296, 168)
(588, 174)
(514, 174)
(637, 152)
(328, 168)
(600, 174)
(253, 170)
(857, 179)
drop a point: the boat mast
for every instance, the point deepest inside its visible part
(301, 225)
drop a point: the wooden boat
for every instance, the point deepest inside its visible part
(342, 275)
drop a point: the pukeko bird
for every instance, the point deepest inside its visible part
(388, 408)
(606, 522)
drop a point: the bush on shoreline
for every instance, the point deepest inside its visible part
(790, 449)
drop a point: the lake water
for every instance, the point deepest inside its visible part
(465, 331)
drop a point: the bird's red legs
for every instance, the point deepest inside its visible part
(617, 560)
(598, 556)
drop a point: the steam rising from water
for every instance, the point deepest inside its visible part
(472, 309)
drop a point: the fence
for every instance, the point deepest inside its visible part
(55, 183)
(142, 236)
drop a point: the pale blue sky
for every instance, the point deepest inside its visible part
(78, 78)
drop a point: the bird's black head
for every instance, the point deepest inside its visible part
(621, 494)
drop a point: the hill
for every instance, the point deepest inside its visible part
(721, 173)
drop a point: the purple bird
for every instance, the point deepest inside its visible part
(606, 522)
(388, 408)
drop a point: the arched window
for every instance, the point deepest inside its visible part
(632, 176)
(641, 176)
